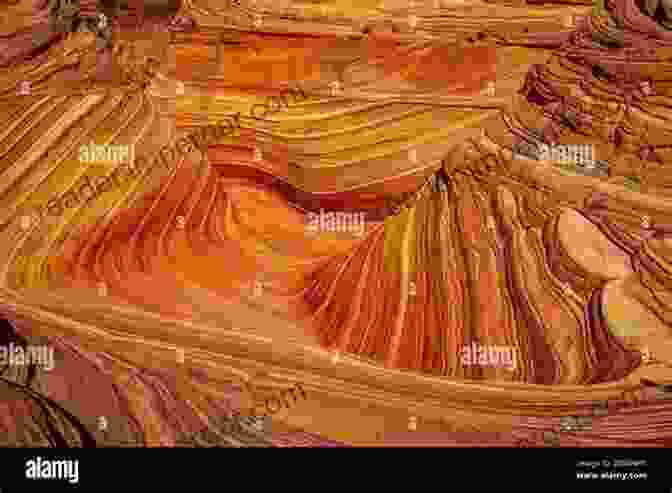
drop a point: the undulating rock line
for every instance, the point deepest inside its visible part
(466, 242)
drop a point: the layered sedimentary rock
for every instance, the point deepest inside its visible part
(43, 133)
(464, 242)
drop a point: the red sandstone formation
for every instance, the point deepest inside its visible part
(477, 245)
